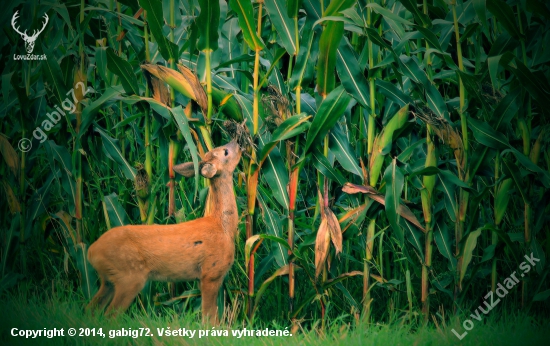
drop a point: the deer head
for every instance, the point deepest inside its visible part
(220, 161)
(29, 40)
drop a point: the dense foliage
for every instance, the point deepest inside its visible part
(396, 152)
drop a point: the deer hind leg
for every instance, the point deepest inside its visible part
(125, 292)
(209, 293)
(102, 297)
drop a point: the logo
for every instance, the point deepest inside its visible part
(29, 40)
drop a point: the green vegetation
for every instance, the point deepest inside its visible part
(396, 170)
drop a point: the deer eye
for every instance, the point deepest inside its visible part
(226, 152)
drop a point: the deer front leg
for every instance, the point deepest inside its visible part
(209, 292)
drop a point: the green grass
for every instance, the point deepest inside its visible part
(33, 309)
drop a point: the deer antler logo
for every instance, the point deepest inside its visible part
(29, 40)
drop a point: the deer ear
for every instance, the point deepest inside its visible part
(186, 169)
(208, 170)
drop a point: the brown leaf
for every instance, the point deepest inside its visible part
(372, 193)
(13, 203)
(350, 274)
(158, 88)
(201, 98)
(66, 219)
(378, 278)
(353, 215)
(79, 85)
(351, 189)
(334, 229)
(322, 243)
(186, 81)
(10, 156)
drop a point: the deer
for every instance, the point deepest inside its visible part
(29, 40)
(126, 257)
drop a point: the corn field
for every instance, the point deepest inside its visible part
(396, 160)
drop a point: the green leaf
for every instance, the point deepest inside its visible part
(488, 253)
(541, 296)
(340, 146)
(470, 30)
(116, 213)
(394, 179)
(293, 7)
(393, 93)
(245, 12)
(419, 17)
(443, 242)
(273, 223)
(406, 154)
(430, 37)
(388, 14)
(61, 155)
(480, 8)
(506, 109)
(155, 21)
(414, 236)
(337, 6)
(467, 250)
(436, 102)
(485, 135)
(313, 9)
(112, 149)
(52, 72)
(227, 104)
(90, 111)
(411, 69)
(283, 24)
(330, 40)
(330, 110)
(537, 7)
(279, 272)
(537, 87)
(304, 64)
(209, 20)
(101, 63)
(275, 172)
(450, 197)
(321, 163)
(88, 275)
(385, 140)
(505, 16)
(502, 197)
(351, 74)
(183, 125)
(124, 71)
(289, 128)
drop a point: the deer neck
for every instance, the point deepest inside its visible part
(223, 205)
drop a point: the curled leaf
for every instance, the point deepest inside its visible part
(372, 193)
(322, 243)
(334, 229)
(10, 156)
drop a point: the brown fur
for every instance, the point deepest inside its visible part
(126, 257)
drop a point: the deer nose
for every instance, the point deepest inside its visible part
(233, 145)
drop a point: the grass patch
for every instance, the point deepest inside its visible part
(30, 310)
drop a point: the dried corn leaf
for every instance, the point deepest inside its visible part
(334, 229)
(13, 203)
(201, 98)
(372, 193)
(158, 88)
(322, 243)
(10, 156)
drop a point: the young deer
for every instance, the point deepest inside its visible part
(126, 257)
